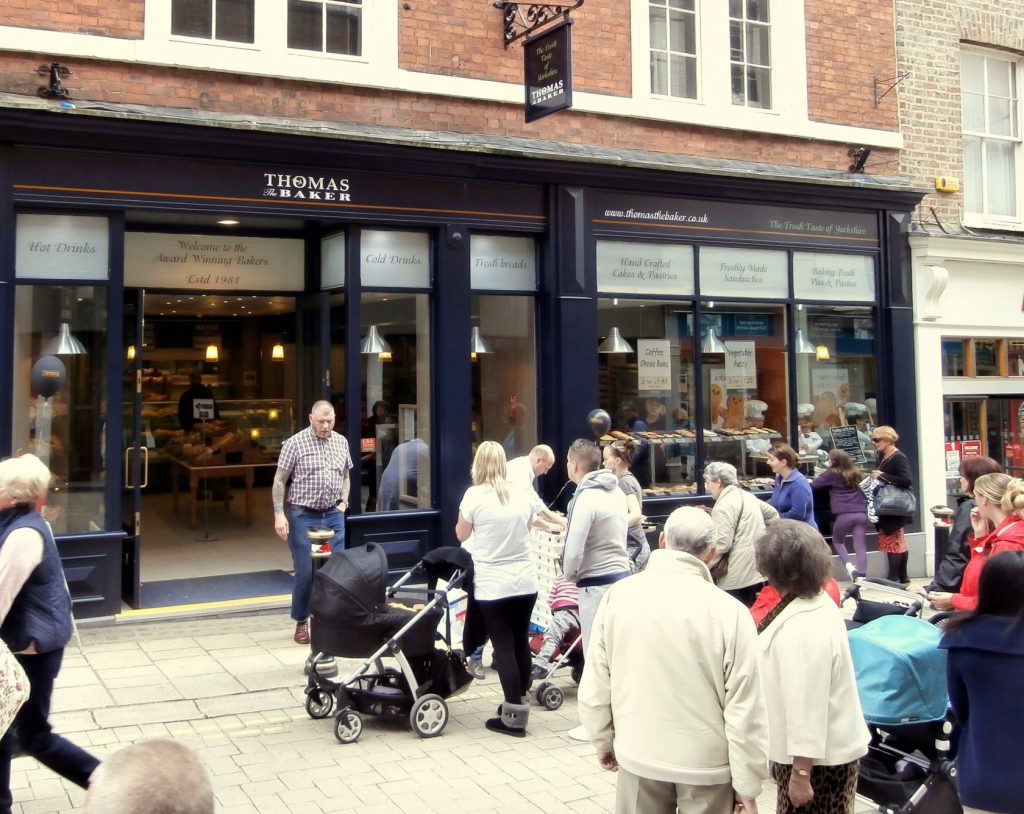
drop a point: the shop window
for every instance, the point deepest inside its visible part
(326, 26)
(64, 424)
(991, 135)
(986, 357)
(503, 356)
(226, 20)
(646, 384)
(1005, 433)
(954, 356)
(1015, 357)
(836, 378)
(396, 378)
(750, 61)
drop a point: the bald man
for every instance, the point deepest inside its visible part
(524, 470)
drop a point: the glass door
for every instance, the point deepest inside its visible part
(135, 453)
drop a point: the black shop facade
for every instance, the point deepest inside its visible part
(437, 299)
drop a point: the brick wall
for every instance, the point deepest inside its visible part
(849, 45)
(928, 37)
(122, 19)
(175, 87)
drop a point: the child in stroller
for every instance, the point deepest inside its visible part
(354, 614)
(561, 642)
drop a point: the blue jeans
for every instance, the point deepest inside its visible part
(300, 521)
(32, 728)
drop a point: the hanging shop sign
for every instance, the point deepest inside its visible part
(206, 262)
(60, 247)
(847, 277)
(653, 365)
(547, 68)
(644, 268)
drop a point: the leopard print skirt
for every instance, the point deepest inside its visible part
(834, 789)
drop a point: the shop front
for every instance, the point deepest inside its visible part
(970, 340)
(215, 284)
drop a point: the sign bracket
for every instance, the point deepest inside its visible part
(522, 19)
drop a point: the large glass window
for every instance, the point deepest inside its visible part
(64, 330)
(503, 355)
(991, 133)
(836, 377)
(396, 440)
(750, 62)
(673, 48)
(327, 26)
(228, 20)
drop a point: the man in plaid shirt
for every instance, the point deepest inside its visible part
(316, 461)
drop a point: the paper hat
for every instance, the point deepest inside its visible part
(755, 408)
(853, 408)
(805, 409)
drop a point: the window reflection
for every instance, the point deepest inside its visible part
(67, 428)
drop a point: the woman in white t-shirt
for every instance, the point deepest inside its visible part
(498, 516)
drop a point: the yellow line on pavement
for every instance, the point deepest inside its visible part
(224, 604)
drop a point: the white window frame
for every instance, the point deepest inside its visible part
(698, 69)
(745, 63)
(324, 4)
(713, 105)
(984, 220)
(213, 27)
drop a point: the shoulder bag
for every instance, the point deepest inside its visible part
(891, 499)
(721, 567)
(14, 687)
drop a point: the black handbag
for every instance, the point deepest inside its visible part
(892, 499)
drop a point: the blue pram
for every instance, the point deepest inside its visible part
(901, 680)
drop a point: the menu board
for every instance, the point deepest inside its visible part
(846, 439)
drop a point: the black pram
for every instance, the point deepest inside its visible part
(354, 614)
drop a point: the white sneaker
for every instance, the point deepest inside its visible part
(578, 733)
(476, 669)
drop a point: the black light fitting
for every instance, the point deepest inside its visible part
(57, 72)
(859, 157)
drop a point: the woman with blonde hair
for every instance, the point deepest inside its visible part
(998, 525)
(498, 516)
(35, 621)
(892, 467)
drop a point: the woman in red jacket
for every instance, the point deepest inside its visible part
(1000, 503)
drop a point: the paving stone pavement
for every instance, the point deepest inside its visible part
(231, 687)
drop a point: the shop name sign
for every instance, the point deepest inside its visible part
(306, 187)
(547, 66)
(833, 276)
(644, 268)
(203, 262)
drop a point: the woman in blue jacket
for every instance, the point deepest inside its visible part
(792, 498)
(985, 671)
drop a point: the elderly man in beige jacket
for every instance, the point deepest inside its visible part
(671, 694)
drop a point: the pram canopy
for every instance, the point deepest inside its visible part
(901, 673)
(349, 617)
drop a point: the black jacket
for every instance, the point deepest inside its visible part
(895, 470)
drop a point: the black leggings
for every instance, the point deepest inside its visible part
(897, 570)
(508, 627)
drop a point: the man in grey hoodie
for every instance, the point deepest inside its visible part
(595, 539)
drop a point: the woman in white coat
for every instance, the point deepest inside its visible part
(817, 733)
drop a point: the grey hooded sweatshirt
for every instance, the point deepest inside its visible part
(595, 540)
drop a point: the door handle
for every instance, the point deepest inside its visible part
(145, 467)
(129, 457)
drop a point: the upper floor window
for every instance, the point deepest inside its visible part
(991, 134)
(326, 26)
(674, 48)
(228, 20)
(750, 53)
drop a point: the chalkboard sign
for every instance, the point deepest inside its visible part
(848, 440)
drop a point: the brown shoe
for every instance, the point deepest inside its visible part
(302, 633)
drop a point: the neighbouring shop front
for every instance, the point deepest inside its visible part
(199, 297)
(969, 315)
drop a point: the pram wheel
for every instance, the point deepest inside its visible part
(319, 703)
(577, 673)
(348, 726)
(429, 716)
(550, 696)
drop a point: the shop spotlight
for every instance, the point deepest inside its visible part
(373, 342)
(711, 343)
(277, 352)
(212, 353)
(614, 343)
(821, 352)
(131, 352)
(64, 343)
(803, 345)
(477, 344)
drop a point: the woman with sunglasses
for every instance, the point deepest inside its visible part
(892, 467)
